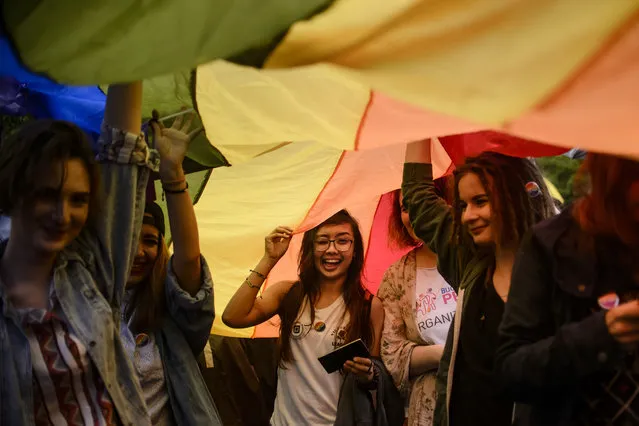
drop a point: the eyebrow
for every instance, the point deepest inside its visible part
(341, 234)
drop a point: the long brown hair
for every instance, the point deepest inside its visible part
(604, 210)
(29, 153)
(356, 298)
(147, 304)
(517, 192)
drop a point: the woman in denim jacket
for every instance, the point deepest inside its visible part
(64, 267)
(168, 304)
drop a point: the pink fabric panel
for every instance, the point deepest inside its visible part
(598, 110)
(359, 177)
(380, 256)
(388, 121)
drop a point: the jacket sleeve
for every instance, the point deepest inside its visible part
(432, 220)
(192, 314)
(536, 359)
(396, 348)
(110, 244)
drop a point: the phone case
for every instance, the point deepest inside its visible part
(334, 360)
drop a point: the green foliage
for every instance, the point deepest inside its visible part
(561, 172)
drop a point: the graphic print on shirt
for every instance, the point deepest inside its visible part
(426, 302)
(339, 337)
(435, 303)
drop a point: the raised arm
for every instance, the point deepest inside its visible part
(126, 162)
(431, 216)
(173, 144)
(245, 309)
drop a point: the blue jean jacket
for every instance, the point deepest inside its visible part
(181, 338)
(89, 278)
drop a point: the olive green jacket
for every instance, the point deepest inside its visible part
(461, 264)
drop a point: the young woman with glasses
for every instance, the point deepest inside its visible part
(325, 308)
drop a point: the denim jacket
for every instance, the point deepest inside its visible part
(89, 277)
(181, 338)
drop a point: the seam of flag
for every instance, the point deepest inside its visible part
(319, 195)
(362, 121)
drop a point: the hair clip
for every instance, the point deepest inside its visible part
(533, 189)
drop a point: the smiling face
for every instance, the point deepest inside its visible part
(333, 251)
(148, 249)
(59, 209)
(476, 211)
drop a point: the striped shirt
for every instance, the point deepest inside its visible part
(67, 387)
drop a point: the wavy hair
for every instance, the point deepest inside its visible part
(307, 290)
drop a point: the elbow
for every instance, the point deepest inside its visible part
(230, 320)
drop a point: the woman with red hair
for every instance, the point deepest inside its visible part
(570, 332)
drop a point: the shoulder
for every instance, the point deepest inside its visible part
(281, 288)
(400, 266)
(548, 232)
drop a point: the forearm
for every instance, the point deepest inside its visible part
(184, 233)
(418, 152)
(425, 358)
(124, 106)
(240, 309)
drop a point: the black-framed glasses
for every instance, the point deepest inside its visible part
(341, 244)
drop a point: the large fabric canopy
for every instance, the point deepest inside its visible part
(564, 72)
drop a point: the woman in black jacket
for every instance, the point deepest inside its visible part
(570, 331)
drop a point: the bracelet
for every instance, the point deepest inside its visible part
(259, 274)
(175, 191)
(248, 283)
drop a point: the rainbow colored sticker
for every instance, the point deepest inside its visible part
(320, 326)
(533, 189)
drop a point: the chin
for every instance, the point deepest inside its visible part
(47, 246)
(482, 240)
(333, 275)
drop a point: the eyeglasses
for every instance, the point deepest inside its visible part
(341, 244)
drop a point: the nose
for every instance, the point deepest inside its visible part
(140, 252)
(469, 215)
(332, 248)
(62, 213)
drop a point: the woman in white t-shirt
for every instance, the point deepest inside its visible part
(419, 308)
(325, 308)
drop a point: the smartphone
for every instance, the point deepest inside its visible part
(335, 359)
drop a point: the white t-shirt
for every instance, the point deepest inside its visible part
(435, 302)
(306, 393)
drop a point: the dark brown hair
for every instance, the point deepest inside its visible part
(356, 297)
(27, 156)
(604, 210)
(147, 304)
(514, 208)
